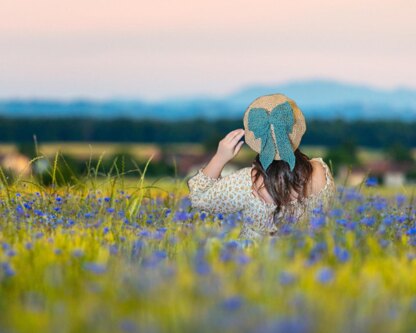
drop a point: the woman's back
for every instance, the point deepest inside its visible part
(315, 185)
(234, 192)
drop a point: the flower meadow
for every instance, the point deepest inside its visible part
(110, 257)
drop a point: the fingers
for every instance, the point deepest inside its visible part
(236, 138)
(238, 147)
(238, 132)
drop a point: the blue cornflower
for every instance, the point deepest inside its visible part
(401, 218)
(317, 221)
(380, 204)
(342, 222)
(411, 231)
(368, 220)
(353, 195)
(145, 233)
(180, 216)
(286, 278)
(113, 248)
(19, 210)
(137, 247)
(371, 182)
(11, 253)
(185, 203)
(352, 225)
(7, 269)
(286, 229)
(383, 242)
(128, 326)
(388, 220)
(232, 244)
(110, 210)
(95, 268)
(325, 275)
(156, 257)
(160, 254)
(77, 253)
(106, 230)
(318, 209)
(337, 212)
(38, 212)
(400, 200)
(232, 303)
(226, 255)
(202, 267)
(341, 254)
(242, 259)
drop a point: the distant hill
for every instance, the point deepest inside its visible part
(318, 99)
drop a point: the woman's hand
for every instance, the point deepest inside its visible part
(227, 149)
(229, 146)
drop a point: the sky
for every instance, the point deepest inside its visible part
(165, 48)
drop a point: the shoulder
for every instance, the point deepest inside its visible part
(243, 175)
(320, 175)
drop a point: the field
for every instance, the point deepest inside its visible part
(130, 255)
(143, 150)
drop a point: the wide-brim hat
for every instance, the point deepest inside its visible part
(275, 117)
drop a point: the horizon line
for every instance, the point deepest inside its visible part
(128, 98)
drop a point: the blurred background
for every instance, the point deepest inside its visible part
(116, 83)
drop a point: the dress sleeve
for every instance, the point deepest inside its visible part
(219, 195)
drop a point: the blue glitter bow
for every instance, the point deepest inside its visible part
(281, 117)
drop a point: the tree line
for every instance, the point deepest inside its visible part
(379, 133)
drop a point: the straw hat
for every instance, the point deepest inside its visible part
(274, 126)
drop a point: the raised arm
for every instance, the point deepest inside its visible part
(211, 192)
(228, 148)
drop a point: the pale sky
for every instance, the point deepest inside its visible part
(164, 48)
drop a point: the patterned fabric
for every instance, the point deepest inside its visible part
(280, 120)
(233, 193)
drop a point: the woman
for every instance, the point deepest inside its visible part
(281, 186)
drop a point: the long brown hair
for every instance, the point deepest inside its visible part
(280, 181)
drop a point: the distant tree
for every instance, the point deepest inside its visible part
(398, 152)
(28, 149)
(344, 154)
(211, 143)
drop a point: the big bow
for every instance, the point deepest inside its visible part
(281, 117)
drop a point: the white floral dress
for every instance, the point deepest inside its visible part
(233, 193)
